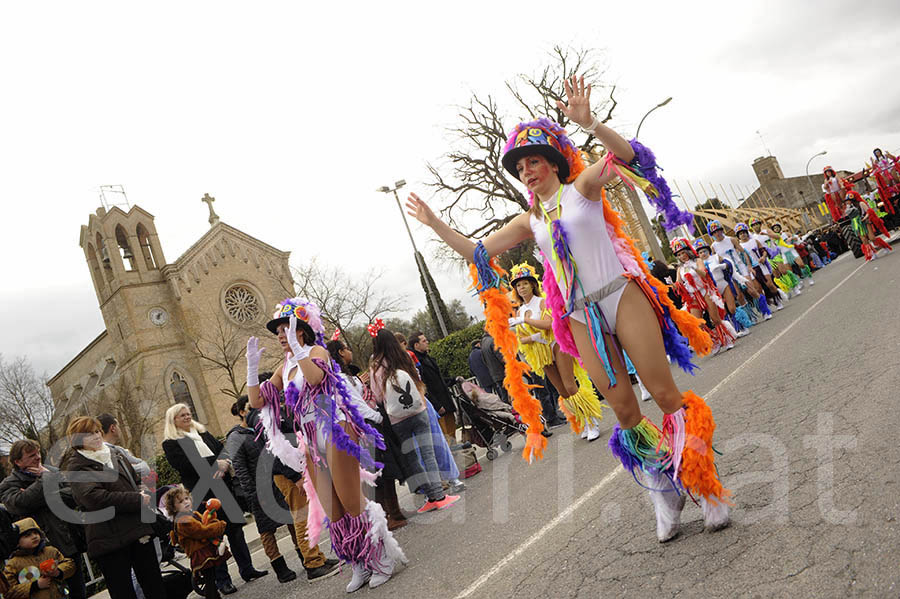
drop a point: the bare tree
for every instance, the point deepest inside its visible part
(472, 180)
(221, 346)
(137, 406)
(348, 303)
(26, 406)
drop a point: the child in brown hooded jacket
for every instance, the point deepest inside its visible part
(36, 570)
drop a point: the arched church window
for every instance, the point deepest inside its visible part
(95, 265)
(104, 258)
(182, 393)
(127, 255)
(146, 249)
(241, 304)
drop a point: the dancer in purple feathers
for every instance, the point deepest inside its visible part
(332, 441)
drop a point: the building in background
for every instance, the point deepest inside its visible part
(175, 331)
(799, 193)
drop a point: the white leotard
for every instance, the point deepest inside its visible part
(533, 307)
(726, 249)
(593, 252)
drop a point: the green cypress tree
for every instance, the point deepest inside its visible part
(423, 273)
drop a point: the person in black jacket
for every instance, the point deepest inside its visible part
(252, 463)
(435, 387)
(23, 494)
(187, 443)
(495, 365)
(101, 477)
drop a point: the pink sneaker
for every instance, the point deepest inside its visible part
(440, 504)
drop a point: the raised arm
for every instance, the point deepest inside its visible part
(578, 110)
(510, 235)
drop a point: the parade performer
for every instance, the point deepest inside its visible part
(533, 326)
(738, 310)
(886, 172)
(603, 300)
(790, 255)
(730, 249)
(834, 198)
(865, 222)
(760, 262)
(784, 277)
(699, 294)
(332, 442)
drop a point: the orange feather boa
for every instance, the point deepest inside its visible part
(497, 309)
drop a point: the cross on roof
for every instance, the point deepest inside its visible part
(213, 217)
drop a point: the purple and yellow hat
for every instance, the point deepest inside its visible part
(300, 307)
(741, 227)
(548, 139)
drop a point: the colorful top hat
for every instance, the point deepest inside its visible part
(681, 244)
(713, 226)
(522, 271)
(300, 307)
(741, 227)
(700, 243)
(548, 139)
(755, 221)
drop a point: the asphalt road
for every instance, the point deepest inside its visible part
(806, 417)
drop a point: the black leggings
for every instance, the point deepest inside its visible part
(117, 567)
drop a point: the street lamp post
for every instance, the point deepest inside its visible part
(432, 296)
(660, 105)
(638, 207)
(813, 157)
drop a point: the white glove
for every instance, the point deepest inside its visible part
(254, 352)
(538, 338)
(299, 351)
(515, 321)
(717, 266)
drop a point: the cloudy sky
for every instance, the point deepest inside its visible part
(304, 109)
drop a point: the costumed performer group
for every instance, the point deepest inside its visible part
(603, 301)
(332, 442)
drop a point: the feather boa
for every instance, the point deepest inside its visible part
(485, 275)
(292, 457)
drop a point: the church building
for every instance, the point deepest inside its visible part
(175, 331)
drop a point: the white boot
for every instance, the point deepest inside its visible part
(667, 504)
(360, 577)
(593, 430)
(645, 395)
(383, 573)
(715, 515)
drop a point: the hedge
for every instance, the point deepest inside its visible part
(452, 352)
(165, 473)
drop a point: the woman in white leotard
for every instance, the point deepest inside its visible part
(613, 302)
(332, 439)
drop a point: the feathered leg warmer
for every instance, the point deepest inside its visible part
(763, 305)
(867, 251)
(881, 243)
(682, 450)
(365, 540)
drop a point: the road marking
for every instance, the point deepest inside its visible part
(619, 469)
(540, 534)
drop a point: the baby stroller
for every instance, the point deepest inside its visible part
(491, 422)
